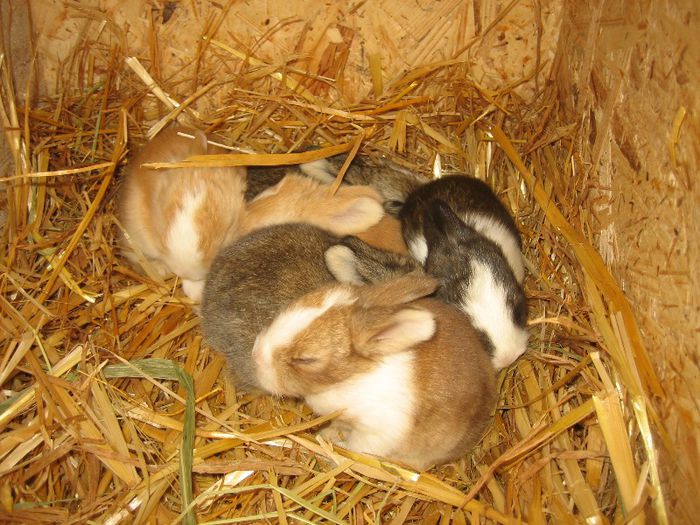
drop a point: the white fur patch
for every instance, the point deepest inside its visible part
(418, 248)
(380, 404)
(284, 329)
(182, 241)
(495, 231)
(193, 289)
(319, 170)
(341, 262)
(485, 303)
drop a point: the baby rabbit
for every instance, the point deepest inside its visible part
(467, 239)
(301, 199)
(179, 218)
(410, 374)
(261, 178)
(475, 204)
(251, 280)
(393, 182)
(475, 276)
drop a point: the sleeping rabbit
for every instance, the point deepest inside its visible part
(409, 373)
(178, 218)
(252, 279)
(465, 237)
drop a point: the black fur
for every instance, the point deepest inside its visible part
(463, 195)
(452, 245)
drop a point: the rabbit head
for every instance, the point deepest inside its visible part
(475, 276)
(338, 331)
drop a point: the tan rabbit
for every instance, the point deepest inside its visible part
(351, 210)
(179, 218)
(410, 374)
(298, 198)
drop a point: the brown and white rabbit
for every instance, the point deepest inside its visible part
(410, 375)
(253, 278)
(475, 204)
(179, 218)
(302, 199)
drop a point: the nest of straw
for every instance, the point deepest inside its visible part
(113, 408)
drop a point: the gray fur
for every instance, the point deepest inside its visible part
(251, 280)
(354, 261)
(393, 182)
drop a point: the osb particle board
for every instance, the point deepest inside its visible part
(505, 41)
(630, 73)
(16, 33)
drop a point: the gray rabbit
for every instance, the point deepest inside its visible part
(251, 280)
(393, 182)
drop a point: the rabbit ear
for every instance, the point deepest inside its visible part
(350, 214)
(397, 291)
(357, 262)
(376, 332)
(342, 262)
(441, 219)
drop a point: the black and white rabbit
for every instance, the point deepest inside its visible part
(475, 276)
(475, 203)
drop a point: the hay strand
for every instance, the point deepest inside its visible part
(166, 369)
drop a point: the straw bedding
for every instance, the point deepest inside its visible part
(114, 409)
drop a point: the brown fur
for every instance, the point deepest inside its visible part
(331, 339)
(398, 291)
(453, 366)
(454, 381)
(301, 199)
(385, 235)
(329, 368)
